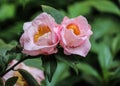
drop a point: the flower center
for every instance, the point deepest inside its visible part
(42, 29)
(21, 81)
(74, 27)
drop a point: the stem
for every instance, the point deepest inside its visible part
(11, 68)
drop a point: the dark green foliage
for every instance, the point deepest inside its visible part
(11, 81)
(28, 77)
(49, 64)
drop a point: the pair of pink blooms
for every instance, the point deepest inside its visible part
(43, 34)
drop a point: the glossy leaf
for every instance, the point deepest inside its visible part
(53, 12)
(28, 77)
(11, 81)
(60, 73)
(50, 65)
(37, 62)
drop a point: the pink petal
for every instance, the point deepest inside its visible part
(81, 50)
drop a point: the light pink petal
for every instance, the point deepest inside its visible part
(73, 40)
(85, 28)
(44, 51)
(72, 43)
(8, 75)
(81, 50)
(65, 19)
(27, 25)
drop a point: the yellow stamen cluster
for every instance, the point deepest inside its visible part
(74, 27)
(21, 81)
(42, 29)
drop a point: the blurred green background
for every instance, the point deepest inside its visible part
(101, 67)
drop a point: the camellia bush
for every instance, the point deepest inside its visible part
(75, 44)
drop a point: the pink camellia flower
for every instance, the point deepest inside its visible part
(39, 36)
(75, 34)
(36, 73)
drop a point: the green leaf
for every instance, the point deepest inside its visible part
(115, 44)
(79, 8)
(53, 12)
(7, 11)
(105, 57)
(50, 65)
(28, 77)
(70, 60)
(106, 6)
(5, 58)
(87, 69)
(103, 26)
(34, 62)
(6, 47)
(60, 73)
(105, 60)
(84, 7)
(11, 81)
(116, 73)
(2, 65)
(1, 82)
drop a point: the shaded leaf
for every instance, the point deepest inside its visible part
(28, 77)
(105, 60)
(115, 44)
(50, 65)
(1, 82)
(6, 47)
(69, 60)
(53, 12)
(105, 57)
(87, 69)
(11, 81)
(2, 65)
(5, 58)
(117, 73)
(60, 73)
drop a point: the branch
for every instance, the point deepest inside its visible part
(11, 68)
